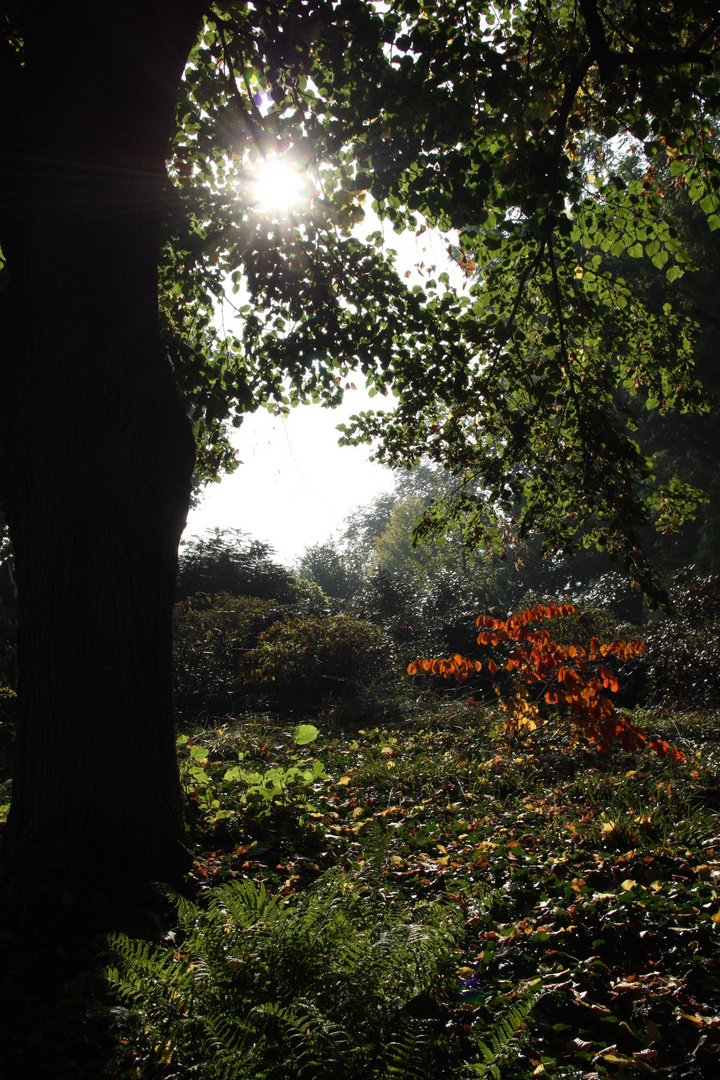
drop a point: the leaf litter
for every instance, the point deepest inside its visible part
(589, 879)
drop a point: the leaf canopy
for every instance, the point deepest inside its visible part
(509, 123)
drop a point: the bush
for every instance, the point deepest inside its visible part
(683, 647)
(232, 652)
(317, 656)
(212, 638)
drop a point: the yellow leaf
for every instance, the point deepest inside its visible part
(698, 1021)
(164, 1052)
(343, 781)
(628, 884)
(608, 827)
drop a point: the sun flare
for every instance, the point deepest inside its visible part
(278, 185)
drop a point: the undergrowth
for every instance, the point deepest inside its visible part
(345, 980)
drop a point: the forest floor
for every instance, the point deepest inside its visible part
(589, 882)
(599, 874)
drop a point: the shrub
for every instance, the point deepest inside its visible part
(683, 647)
(234, 651)
(212, 638)
(316, 656)
(568, 679)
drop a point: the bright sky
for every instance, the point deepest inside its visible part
(296, 485)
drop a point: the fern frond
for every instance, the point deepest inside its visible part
(504, 1039)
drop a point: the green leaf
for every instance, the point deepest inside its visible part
(305, 734)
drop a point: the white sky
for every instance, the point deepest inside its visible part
(296, 485)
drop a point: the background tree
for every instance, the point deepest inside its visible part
(228, 560)
(336, 571)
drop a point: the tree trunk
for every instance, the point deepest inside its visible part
(96, 455)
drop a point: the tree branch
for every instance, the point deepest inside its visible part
(608, 61)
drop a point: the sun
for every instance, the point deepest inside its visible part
(280, 186)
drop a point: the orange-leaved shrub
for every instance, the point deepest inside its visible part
(569, 678)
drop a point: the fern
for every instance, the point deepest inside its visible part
(345, 981)
(503, 1040)
(315, 990)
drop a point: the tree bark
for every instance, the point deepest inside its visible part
(96, 456)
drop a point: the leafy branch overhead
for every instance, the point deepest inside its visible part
(512, 124)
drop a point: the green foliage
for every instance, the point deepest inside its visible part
(309, 656)
(336, 572)
(343, 981)
(502, 1043)
(218, 793)
(524, 373)
(228, 561)
(212, 639)
(234, 651)
(683, 646)
(576, 850)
